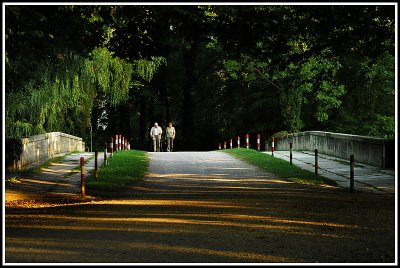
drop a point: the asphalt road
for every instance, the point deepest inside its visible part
(207, 207)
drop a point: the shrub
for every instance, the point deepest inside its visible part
(278, 135)
(14, 148)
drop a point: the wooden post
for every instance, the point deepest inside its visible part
(291, 155)
(96, 154)
(316, 162)
(352, 173)
(258, 142)
(83, 195)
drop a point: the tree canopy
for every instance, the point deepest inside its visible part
(215, 71)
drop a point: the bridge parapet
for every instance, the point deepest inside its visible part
(372, 151)
(43, 146)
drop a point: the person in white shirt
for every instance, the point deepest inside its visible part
(155, 134)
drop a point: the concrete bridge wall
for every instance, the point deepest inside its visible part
(367, 150)
(39, 147)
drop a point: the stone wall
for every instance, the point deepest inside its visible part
(367, 150)
(40, 147)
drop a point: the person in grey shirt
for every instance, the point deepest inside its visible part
(155, 134)
(170, 133)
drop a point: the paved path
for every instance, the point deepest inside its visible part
(58, 180)
(366, 178)
(208, 207)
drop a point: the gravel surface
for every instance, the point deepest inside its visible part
(205, 207)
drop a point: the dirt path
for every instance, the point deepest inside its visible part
(208, 208)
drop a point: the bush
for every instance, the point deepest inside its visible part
(279, 135)
(14, 149)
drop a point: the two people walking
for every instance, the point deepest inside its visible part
(156, 134)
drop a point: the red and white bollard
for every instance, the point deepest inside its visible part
(231, 143)
(273, 146)
(238, 141)
(258, 141)
(219, 146)
(116, 143)
(123, 143)
(247, 141)
(224, 144)
(119, 143)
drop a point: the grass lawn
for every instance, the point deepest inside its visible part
(278, 166)
(123, 169)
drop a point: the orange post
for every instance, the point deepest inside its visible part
(83, 195)
(96, 171)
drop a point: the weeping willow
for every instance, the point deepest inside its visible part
(61, 95)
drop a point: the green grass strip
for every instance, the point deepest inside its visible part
(123, 169)
(278, 166)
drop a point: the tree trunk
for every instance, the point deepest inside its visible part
(143, 120)
(188, 104)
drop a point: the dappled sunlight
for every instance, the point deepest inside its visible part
(207, 251)
(61, 164)
(113, 229)
(39, 181)
(41, 251)
(252, 222)
(56, 246)
(157, 175)
(203, 177)
(55, 171)
(226, 188)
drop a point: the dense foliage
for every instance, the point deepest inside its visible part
(215, 71)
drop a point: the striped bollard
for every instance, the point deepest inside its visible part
(224, 144)
(238, 143)
(272, 147)
(112, 146)
(116, 143)
(119, 143)
(258, 141)
(291, 155)
(219, 146)
(247, 141)
(231, 144)
(105, 154)
(123, 143)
